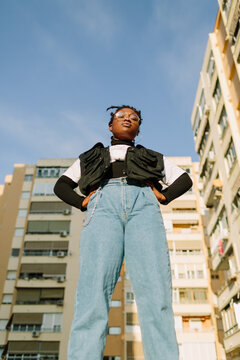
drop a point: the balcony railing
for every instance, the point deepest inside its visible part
(44, 252)
(31, 327)
(41, 302)
(232, 330)
(32, 356)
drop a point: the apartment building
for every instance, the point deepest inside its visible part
(40, 237)
(216, 127)
(39, 271)
(193, 305)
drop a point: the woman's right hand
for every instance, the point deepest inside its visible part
(87, 198)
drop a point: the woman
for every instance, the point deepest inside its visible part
(122, 189)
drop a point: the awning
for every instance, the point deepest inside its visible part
(23, 347)
(50, 269)
(46, 245)
(27, 318)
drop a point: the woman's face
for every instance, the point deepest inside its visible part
(125, 125)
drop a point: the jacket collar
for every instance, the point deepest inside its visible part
(122, 142)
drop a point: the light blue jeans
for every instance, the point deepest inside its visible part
(123, 220)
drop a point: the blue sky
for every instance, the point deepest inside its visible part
(63, 62)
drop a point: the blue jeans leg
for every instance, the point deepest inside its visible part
(101, 256)
(148, 264)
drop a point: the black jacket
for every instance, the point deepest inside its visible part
(141, 164)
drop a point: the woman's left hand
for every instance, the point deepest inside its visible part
(157, 193)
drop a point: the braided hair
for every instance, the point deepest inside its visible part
(138, 112)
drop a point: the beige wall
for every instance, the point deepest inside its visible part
(8, 213)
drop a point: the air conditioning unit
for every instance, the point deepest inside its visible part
(61, 278)
(60, 254)
(35, 333)
(63, 233)
(206, 110)
(211, 157)
(67, 212)
(60, 302)
(217, 194)
(232, 276)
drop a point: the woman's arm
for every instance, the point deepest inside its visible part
(64, 189)
(182, 184)
(178, 182)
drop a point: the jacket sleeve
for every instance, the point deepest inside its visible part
(64, 187)
(177, 179)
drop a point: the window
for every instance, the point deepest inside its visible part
(230, 156)
(200, 274)
(114, 330)
(25, 194)
(19, 232)
(199, 296)
(223, 122)
(236, 32)
(3, 324)
(26, 327)
(202, 103)
(48, 227)
(199, 114)
(43, 189)
(211, 66)
(15, 252)
(187, 296)
(217, 92)
(11, 275)
(28, 177)
(21, 356)
(206, 171)
(53, 172)
(226, 6)
(7, 299)
(204, 139)
(129, 297)
(52, 322)
(236, 201)
(115, 303)
(220, 230)
(22, 213)
(187, 169)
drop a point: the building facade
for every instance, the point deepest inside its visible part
(216, 127)
(40, 270)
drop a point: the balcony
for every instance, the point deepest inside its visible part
(229, 289)
(193, 309)
(203, 335)
(183, 217)
(213, 194)
(190, 283)
(232, 339)
(219, 253)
